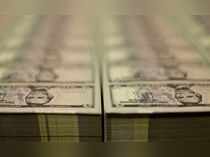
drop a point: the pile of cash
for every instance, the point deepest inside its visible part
(113, 78)
(50, 89)
(154, 79)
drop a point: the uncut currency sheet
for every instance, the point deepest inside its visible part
(44, 70)
(152, 69)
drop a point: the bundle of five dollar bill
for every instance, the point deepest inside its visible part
(153, 76)
(50, 88)
(154, 80)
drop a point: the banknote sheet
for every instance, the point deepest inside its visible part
(149, 68)
(49, 65)
(155, 79)
(114, 78)
(49, 81)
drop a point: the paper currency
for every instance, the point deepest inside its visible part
(52, 68)
(153, 87)
(72, 73)
(49, 82)
(52, 98)
(171, 78)
(160, 97)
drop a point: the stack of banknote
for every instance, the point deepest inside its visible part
(114, 78)
(49, 81)
(155, 81)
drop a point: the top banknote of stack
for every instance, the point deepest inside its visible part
(150, 66)
(48, 65)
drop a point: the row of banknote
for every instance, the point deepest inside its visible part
(117, 78)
